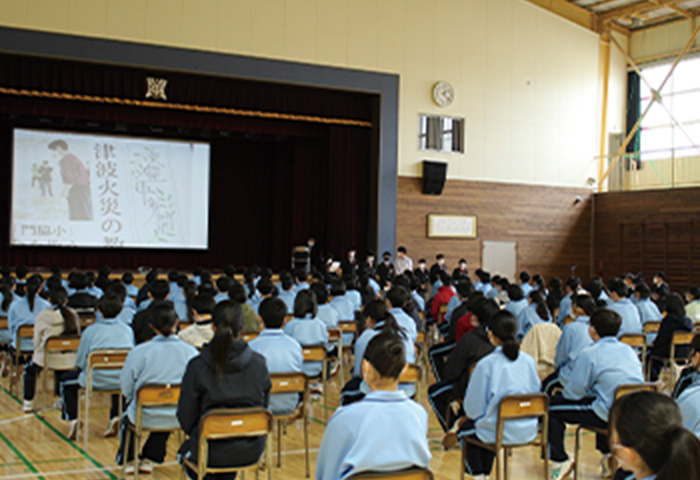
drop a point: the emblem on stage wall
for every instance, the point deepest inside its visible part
(156, 88)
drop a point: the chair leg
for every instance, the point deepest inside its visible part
(268, 456)
(506, 454)
(86, 428)
(279, 443)
(306, 439)
(137, 450)
(125, 454)
(463, 450)
(577, 446)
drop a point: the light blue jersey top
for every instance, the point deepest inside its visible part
(630, 316)
(344, 308)
(283, 355)
(564, 309)
(20, 314)
(221, 297)
(108, 333)
(374, 286)
(367, 335)
(526, 288)
(384, 431)
(599, 369)
(309, 331)
(451, 307)
(288, 298)
(406, 322)
(494, 377)
(420, 301)
(328, 314)
(163, 361)
(689, 403)
(527, 319)
(517, 306)
(132, 291)
(574, 338)
(355, 299)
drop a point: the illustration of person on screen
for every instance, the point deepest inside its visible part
(35, 174)
(45, 179)
(76, 182)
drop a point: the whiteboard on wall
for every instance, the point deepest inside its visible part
(500, 258)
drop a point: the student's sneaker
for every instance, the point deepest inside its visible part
(606, 466)
(129, 470)
(145, 466)
(561, 470)
(73, 429)
(28, 406)
(112, 428)
(335, 368)
(480, 477)
(58, 404)
(316, 387)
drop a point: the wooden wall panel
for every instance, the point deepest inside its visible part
(551, 228)
(647, 232)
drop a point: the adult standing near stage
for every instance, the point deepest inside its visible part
(76, 180)
(403, 262)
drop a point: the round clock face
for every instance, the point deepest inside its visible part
(443, 93)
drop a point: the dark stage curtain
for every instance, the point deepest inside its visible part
(273, 183)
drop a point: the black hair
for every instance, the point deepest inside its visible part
(191, 291)
(504, 326)
(585, 303)
(674, 305)
(650, 423)
(377, 311)
(695, 344)
(163, 318)
(397, 296)
(59, 297)
(21, 271)
(249, 279)
(128, 278)
(542, 310)
(300, 275)
(445, 278)
(265, 286)
(203, 304)
(204, 289)
(337, 288)
(695, 292)
(273, 311)
(385, 352)
(7, 296)
(524, 277)
(474, 298)
(237, 293)
(595, 287)
(401, 249)
(33, 285)
(485, 309)
(464, 288)
(159, 289)
(555, 294)
(515, 293)
(78, 281)
(172, 275)
(321, 292)
(286, 280)
(197, 271)
(228, 321)
(643, 290)
(606, 322)
(439, 256)
(305, 303)
(117, 288)
(661, 275)
(229, 270)
(223, 283)
(151, 276)
(618, 286)
(110, 305)
(573, 283)
(539, 280)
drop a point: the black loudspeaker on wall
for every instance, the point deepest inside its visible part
(434, 174)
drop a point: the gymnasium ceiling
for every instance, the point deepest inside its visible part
(626, 16)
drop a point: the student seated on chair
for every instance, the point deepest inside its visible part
(250, 319)
(674, 321)
(377, 320)
(505, 371)
(223, 284)
(23, 311)
(287, 292)
(325, 310)
(161, 361)
(535, 313)
(58, 321)
(565, 310)
(282, 353)
(7, 296)
(228, 374)
(648, 438)
(307, 329)
(158, 291)
(574, 338)
(384, 431)
(687, 391)
(201, 331)
(590, 391)
(109, 333)
(631, 322)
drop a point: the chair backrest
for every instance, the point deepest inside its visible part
(184, 325)
(109, 359)
(25, 331)
(627, 388)
(291, 382)
(86, 320)
(221, 424)
(682, 338)
(58, 346)
(634, 339)
(413, 473)
(156, 395)
(651, 327)
(250, 336)
(4, 323)
(441, 313)
(348, 326)
(420, 338)
(523, 406)
(411, 374)
(334, 334)
(314, 353)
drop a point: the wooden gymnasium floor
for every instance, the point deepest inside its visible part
(33, 447)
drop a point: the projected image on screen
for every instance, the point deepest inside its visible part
(74, 189)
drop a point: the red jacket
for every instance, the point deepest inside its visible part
(442, 297)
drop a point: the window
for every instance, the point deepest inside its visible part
(661, 137)
(442, 134)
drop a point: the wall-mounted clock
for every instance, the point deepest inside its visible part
(443, 93)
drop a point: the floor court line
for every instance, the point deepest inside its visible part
(19, 455)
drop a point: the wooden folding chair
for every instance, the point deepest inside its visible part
(23, 332)
(513, 407)
(422, 351)
(680, 339)
(638, 341)
(335, 335)
(227, 424)
(86, 320)
(413, 473)
(292, 382)
(151, 396)
(348, 326)
(4, 325)
(442, 310)
(101, 360)
(318, 353)
(650, 330)
(411, 374)
(53, 348)
(620, 392)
